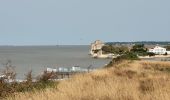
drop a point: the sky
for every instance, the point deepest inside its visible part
(80, 22)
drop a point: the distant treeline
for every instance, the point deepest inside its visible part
(141, 42)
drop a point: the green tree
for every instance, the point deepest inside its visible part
(113, 49)
(107, 49)
(139, 49)
(167, 47)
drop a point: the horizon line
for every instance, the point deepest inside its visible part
(75, 44)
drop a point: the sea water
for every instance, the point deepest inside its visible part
(38, 58)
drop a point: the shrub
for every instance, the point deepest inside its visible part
(139, 49)
(9, 71)
(126, 56)
(46, 76)
(129, 56)
(29, 77)
(114, 49)
(167, 47)
(166, 54)
(9, 88)
(151, 54)
(107, 49)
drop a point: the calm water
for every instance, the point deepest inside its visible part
(38, 58)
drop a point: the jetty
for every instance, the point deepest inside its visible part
(66, 72)
(58, 73)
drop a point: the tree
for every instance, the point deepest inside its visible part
(167, 47)
(113, 49)
(139, 49)
(126, 56)
(107, 49)
(123, 49)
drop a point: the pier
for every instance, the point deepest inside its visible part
(63, 72)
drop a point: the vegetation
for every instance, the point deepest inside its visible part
(9, 85)
(166, 54)
(167, 47)
(140, 50)
(128, 80)
(9, 71)
(113, 49)
(121, 58)
(141, 42)
(7, 89)
(137, 49)
(151, 54)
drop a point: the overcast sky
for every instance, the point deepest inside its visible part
(51, 22)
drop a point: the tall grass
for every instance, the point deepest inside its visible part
(129, 80)
(10, 88)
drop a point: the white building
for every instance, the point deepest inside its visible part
(158, 50)
(97, 45)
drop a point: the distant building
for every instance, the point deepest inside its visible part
(158, 50)
(96, 47)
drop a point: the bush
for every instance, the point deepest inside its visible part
(9, 71)
(139, 49)
(113, 49)
(166, 54)
(107, 49)
(46, 76)
(151, 54)
(126, 56)
(167, 47)
(129, 56)
(29, 77)
(9, 88)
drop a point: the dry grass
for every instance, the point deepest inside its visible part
(137, 80)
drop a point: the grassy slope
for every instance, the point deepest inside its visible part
(130, 80)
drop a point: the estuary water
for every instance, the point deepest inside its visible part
(38, 58)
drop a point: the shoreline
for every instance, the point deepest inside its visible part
(156, 56)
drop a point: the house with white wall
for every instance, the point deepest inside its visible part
(159, 50)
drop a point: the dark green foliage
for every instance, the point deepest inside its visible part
(151, 54)
(116, 50)
(126, 56)
(167, 47)
(139, 49)
(107, 49)
(129, 56)
(166, 54)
